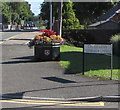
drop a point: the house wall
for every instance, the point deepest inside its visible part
(103, 35)
(109, 25)
(116, 18)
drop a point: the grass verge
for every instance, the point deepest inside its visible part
(95, 64)
(42, 27)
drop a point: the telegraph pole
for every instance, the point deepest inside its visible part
(60, 27)
(51, 14)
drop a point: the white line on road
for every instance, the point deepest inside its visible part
(8, 39)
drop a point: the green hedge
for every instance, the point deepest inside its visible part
(78, 37)
(115, 40)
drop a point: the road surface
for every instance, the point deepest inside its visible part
(22, 77)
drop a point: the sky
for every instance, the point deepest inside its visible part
(35, 5)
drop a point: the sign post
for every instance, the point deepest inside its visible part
(111, 62)
(98, 49)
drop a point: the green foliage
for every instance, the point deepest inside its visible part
(42, 27)
(38, 21)
(116, 44)
(45, 9)
(115, 38)
(5, 12)
(87, 12)
(45, 12)
(97, 65)
(76, 13)
(15, 11)
(69, 19)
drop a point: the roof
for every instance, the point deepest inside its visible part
(100, 23)
(113, 15)
(110, 13)
(118, 11)
(97, 23)
(116, 18)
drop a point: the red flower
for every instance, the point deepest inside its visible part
(48, 32)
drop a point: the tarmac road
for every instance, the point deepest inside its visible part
(23, 77)
(6, 35)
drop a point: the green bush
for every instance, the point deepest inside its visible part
(115, 40)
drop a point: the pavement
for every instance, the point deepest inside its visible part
(23, 77)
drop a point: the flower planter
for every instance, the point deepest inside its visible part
(47, 52)
(46, 45)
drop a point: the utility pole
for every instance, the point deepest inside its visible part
(51, 14)
(60, 26)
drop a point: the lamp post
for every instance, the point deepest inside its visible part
(60, 26)
(51, 14)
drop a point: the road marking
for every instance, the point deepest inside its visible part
(1, 42)
(8, 39)
(51, 102)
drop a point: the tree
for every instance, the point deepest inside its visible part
(87, 12)
(69, 19)
(15, 11)
(5, 12)
(45, 10)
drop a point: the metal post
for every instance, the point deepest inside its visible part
(51, 14)
(111, 61)
(53, 23)
(83, 59)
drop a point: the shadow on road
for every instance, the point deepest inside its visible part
(25, 59)
(29, 30)
(19, 39)
(59, 80)
(91, 62)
